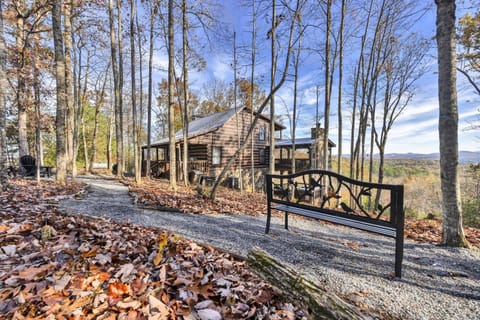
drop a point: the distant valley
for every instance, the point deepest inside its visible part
(464, 156)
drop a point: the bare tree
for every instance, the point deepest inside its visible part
(153, 6)
(171, 90)
(469, 55)
(341, 46)
(136, 155)
(120, 143)
(329, 63)
(273, 67)
(296, 65)
(117, 92)
(67, 34)
(356, 89)
(294, 13)
(185, 97)
(453, 234)
(21, 94)
(3, 111)
(61, 153)
(252, 81)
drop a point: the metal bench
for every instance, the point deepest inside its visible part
(328, 196)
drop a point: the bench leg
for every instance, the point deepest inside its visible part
(398, 255)
(286, 220)
(269, 211)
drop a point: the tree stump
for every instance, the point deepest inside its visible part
(317, 301)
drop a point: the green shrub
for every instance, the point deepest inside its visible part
(471, 213)
(413, 213)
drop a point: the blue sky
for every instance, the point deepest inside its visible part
(415, 131)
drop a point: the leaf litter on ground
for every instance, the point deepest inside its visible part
(55, 266)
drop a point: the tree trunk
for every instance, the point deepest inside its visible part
(340, 84)
(141, 107)
(71, 166)
(252, 81)
(453, 234)
(171, 92)
(120, 144)
(273, 68)
(3, 113)
(356, 86)
(327, 86)
(235, 101)
(85, 147)
(111, 123)
(153, 14)
(21, 97)
(61, 175)
(134, 94)
(77, 71)
(116, 85)
(295, 93)
(321, 303)
(185, 91)
(36, 90)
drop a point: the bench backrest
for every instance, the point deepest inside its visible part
(332, 193)
(29, 164)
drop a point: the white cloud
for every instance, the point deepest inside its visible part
(220, 68)
(160, 61)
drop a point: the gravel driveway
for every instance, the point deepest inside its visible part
(437, 282)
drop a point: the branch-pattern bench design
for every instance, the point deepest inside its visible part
(331, 197)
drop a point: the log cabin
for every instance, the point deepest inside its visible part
(213, 139)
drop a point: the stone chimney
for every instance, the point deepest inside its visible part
(317, 133)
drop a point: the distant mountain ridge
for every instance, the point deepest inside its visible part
(464, 156)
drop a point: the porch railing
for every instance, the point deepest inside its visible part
(159, 169)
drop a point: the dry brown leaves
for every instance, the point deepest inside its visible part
(55, 266)
(430, 231)
(186, 199)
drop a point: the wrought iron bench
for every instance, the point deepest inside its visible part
(331, 197)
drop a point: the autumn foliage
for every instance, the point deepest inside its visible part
(56, 266)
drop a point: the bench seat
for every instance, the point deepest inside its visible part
(357, 224)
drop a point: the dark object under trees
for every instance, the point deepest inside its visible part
(28, 168)
(328, 196)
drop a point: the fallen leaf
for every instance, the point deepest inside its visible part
(118, 289)
(158, 308)
(209, 314)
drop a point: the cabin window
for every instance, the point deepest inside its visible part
(261, 133)
(261, 156)
(160, 154)
(216, 155)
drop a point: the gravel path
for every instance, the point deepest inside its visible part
(437, 283)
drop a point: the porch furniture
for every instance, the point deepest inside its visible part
(28, 167)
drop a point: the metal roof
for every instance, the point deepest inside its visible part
(300, 142)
